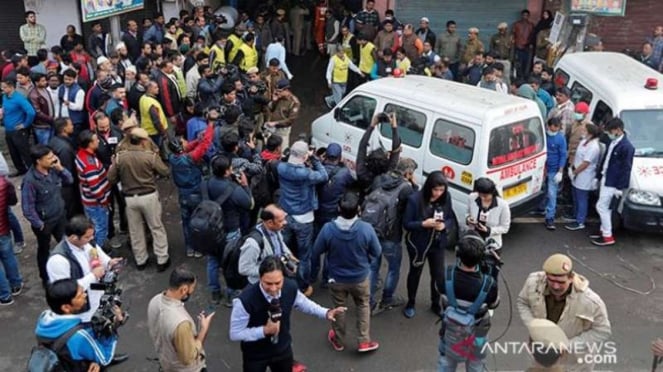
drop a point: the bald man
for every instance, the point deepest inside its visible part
(265, 240)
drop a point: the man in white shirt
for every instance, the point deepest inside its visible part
(78, 257)
(277, 50)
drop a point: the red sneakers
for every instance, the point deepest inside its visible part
(368, 346)
(331, 337)
(603, 241)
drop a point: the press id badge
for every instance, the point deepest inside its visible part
(483, 217)
(438, 216)
(112, 140)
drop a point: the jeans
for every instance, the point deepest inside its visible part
(551, 195)
(338, 91)
(523, 60)
(43, 136)
(99, 217)
(450, 364)
(213, 264)
(188, 203)
(393, 253)
(10, 276)
(580, 199)
(15, 227)
(302, 234)
(18, 143)
(53, 229)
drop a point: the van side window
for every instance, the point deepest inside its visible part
(580, 93)
(358, 111)
(561, 78)
(602, 113)
(452, 141)
(512, 142)
(411, 125)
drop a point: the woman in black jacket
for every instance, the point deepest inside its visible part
(428, 218)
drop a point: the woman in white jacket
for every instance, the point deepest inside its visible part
(487, 213)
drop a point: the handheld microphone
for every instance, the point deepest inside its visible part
(275, 314)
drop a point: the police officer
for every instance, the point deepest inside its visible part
(548, 346)
(467, 290)
(564, 297)
(283, 110)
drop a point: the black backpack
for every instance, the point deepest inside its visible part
(380, 209)
(264, 185)
(52, 355)
(230, 262)
(206, 225)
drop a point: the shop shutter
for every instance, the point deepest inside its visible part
(483, 14)
(11, 18)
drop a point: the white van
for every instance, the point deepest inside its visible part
(615, 85)
(464, 131)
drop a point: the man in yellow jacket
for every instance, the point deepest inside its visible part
(152, 116)
(562, 296)
(337, 73)
(247, 55)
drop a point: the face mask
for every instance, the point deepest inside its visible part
(551, 133)
(612, 136)
(578, 116)
(186, 298)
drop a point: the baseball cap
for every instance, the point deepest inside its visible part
(140, 133)
(334, 150)
(547, 333)
(558, 264)
(129, 123)
(252, 70)
(298, 152)
(582, 108)
(283, 84)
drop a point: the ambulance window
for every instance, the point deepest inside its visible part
(602, 113)
(358, 111)
(452, 141)
(411, 125)
(515, 141)
(580, 93)
(561, 78)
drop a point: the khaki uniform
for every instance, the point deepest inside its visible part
(578, 130)
(584, 319)
(271, 81)
(501, 45)
(284, 112)
(135, 168)
(471, 49)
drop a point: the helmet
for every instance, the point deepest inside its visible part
(485, 185)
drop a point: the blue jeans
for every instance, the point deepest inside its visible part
(338, 91)
(523, 59)
(43, 136)
(213, 264)
(450, 364)
(302, 234)
(9, 274)
(15, 227)
(551, 196)
(393, 253)
(188, 203)
(99, 217)
(580, 202)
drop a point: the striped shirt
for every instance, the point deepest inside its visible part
(93, 179)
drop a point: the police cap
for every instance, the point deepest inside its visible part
(558, 264)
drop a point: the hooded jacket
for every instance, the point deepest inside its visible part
(351, 245)
(584, 319)
(526, 91)
(84, 345)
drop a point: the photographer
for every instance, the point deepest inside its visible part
(468, 294)
(487, 213)
(78, 257)
(85, 350)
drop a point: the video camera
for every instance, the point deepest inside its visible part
(492, 262)
(104, 319)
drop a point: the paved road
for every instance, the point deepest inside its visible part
(406, 345)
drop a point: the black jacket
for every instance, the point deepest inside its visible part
(107, 146)
(133, 44)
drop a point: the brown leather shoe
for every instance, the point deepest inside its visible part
(309, 291)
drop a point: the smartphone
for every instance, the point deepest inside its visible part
(483, 217)
(210, 310)
(120, 264)
(438, 216)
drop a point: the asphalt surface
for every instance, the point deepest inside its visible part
(626, 276)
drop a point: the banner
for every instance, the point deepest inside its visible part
(99, 9)
(600, 7)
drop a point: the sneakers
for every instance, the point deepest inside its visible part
(596, 235)
(18, 247)
(436, 309)
(368, 346)
(550, 225)
(308, 292)
(409, 312)
(603, 241)
(7, 301)
(566, 217)
(331, 337)
(575, 226)
(17, 290)
(388, 305)
(216, 297)
(197, 254)
(190, 253)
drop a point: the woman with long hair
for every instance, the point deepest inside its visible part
(582, 174)
(428, 217)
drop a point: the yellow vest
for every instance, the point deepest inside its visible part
(340, 72)
(366, 60)
(250, 57)
(346, 45)
(404, 65)
(237, 42)
(146, 122)
(219, 57)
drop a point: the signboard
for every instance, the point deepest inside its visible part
(599, 7)
(99, 9)
(558, 23)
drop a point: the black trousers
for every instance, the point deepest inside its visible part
(117, 197)
(435, 258)
(18, 142)
(53, 229)
(72, 200)
(281, 363)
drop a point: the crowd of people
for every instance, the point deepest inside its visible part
(91, 130)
